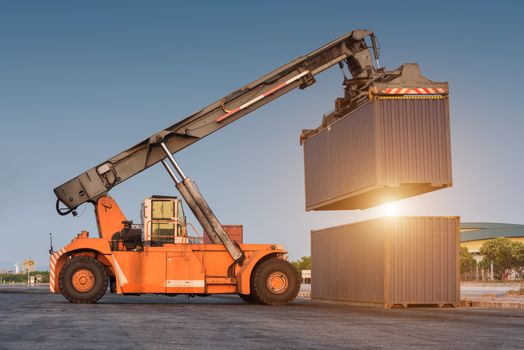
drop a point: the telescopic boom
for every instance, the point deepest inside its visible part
(350, 49)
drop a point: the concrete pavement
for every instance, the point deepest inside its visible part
(32, 318)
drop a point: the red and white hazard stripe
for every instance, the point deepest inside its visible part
(52, 264)
(415, 91)
(259, 97)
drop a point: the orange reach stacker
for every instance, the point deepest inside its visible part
(158, 256)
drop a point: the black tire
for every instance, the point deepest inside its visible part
(273, 269)
(248, 298)
(82, 292)
(112, 284)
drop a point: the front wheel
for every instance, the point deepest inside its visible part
(83, 280)
(275, 282)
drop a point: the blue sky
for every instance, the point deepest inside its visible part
(80, 81)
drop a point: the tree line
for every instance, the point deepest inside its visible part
(22, 277)
(506, 257)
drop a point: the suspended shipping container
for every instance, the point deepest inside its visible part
(395, 145)
(388, 262)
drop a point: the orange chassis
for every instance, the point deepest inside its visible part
(170, 269)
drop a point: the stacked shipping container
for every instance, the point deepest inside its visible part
(395, 144)
(235, 232)
(388, 261)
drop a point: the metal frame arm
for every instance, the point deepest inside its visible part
(198, 205)
(350, 49)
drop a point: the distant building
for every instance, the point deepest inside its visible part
(306, 276)
(36, 279)
(474, 234)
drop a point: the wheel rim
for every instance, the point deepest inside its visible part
(277, 282)
(83, 280)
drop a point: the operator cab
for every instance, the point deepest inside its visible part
(163, 221)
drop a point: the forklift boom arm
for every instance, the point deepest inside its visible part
(350, 49)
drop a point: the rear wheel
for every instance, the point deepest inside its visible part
(83, 280)
(275, 282)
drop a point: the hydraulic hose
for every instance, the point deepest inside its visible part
(63, 211)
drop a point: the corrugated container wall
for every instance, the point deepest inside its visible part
(234, 232)
(388, 149)
(388, 261)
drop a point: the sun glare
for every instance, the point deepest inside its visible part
(390, 209)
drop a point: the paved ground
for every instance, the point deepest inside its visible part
(468, 289)
(479, 288)
(31, 319)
